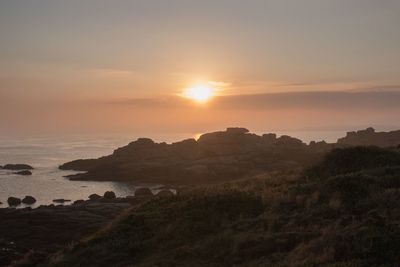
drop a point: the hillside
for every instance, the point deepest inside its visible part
(344, 211)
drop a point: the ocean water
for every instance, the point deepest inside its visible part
(45, 154)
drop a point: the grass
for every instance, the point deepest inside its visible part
(342, 212)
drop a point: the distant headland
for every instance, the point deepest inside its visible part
(217, 156)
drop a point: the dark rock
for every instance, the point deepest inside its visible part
(236, 130)
(231, 135)
(165, 193)
(25, 173)
(215, 157)
(17, 167)
(61, 200)
(369, 137)
(13, 201)
(144, 146)
(79, 165)
(289, 141)
(143, 192)
(109, 195)
(94, 197)
(29, 200)
(79, 202)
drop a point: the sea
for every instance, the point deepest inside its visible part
(45, 154)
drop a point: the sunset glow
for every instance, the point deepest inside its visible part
(199, 93)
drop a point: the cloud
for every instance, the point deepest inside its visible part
(369, 100)
(219, 84)
(312, 100)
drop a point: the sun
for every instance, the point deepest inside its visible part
(199, 93)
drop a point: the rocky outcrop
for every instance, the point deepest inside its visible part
(94, 197)
(29, 200)
(215, 157)
(16, 167)
(24, 173)
(219, 156)
(78, 202)
(369, 137)
(13, 201)
(109, 195)
(80, 165)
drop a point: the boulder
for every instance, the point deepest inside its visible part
(29, 200)
(165, 193)
(78, 202)
(61, 200)
(143, 192)
(94, 197)
(230, 136)
(17, 167)
(236, 130)
(289, 141)
(13, 201)
(25, 173)
(109, 195)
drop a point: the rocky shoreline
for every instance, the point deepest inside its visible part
(49, 228)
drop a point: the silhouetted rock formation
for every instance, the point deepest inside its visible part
(109, 195)
(94, 197)
(16, 167)
(13, 201)
(29, 200)
(24, 173)
(215, 156)
(369, 137)
(218, 156)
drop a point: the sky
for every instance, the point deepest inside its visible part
(121, 66)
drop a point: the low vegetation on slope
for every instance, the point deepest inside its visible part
(343, 212)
